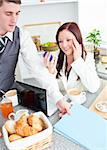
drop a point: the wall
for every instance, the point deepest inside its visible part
(49, 12)
(92, 14)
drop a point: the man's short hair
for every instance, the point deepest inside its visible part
(10, 1)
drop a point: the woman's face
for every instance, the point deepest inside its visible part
(66, 43)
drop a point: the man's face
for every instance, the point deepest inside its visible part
(9, 13)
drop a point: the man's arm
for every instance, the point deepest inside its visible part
(37, 69)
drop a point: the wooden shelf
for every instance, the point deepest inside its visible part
(47, 2)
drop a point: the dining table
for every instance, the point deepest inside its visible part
(59, 142)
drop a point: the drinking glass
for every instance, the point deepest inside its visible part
(6, 106)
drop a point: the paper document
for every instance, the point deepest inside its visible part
(84, 127)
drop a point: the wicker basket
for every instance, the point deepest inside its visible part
(42, 144)
(37, 141)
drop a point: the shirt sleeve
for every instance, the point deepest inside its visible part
(37, 69)
(86, 70)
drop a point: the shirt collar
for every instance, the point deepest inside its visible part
(9, 35)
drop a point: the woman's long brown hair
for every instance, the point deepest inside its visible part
(72, 27)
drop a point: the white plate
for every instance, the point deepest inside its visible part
(101, 106)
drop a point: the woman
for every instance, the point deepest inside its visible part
(75, 67)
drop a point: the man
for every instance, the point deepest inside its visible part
(14, 41)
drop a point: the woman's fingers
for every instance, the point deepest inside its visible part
(76, 48)
(50, 58)
(45, 56)
(76, 44)
(50, 62)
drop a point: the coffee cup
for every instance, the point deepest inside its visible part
(75, 95)
(16, 116)
(12, 95)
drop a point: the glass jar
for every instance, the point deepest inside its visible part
(6, 106)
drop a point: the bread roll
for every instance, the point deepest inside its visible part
(22, 119)
(35, 122)
(14, 137)
(33, 119)
(42, 124)
(10, 126)
(23, 128)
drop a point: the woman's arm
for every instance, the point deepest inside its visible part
(86, 70)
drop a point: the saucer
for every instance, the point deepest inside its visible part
(101, 106)
(80, 101)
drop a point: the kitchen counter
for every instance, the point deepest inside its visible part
(65, 144)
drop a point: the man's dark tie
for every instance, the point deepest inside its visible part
(2, 44)
(3, 39)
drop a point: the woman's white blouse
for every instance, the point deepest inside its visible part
(86, 71)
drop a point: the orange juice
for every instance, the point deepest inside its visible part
(6, 108)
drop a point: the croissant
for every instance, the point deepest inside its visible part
(27, 126)
(14, 137)
(23, 128)
(10, 126)
(35, 122)
(23, 119)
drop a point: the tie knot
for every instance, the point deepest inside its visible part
(3, 42)
(4, 39)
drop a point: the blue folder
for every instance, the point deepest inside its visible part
(83, 127)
